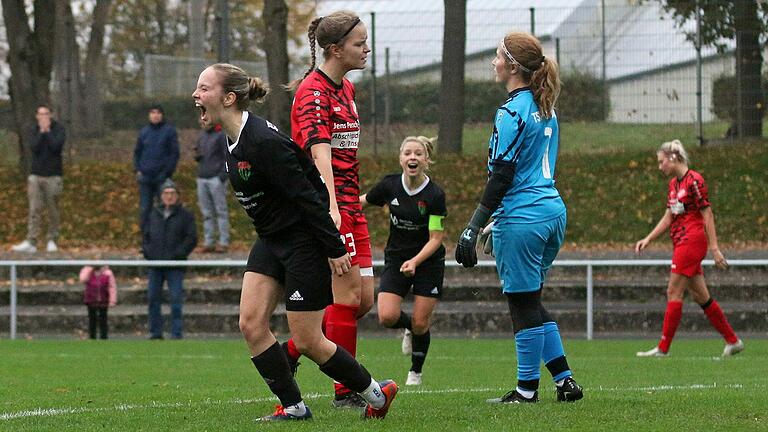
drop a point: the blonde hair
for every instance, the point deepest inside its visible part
(539, 71)
(245, 88)
(674, 150)
(427, 143)
(326, 31)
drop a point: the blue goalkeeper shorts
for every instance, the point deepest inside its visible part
(525, 251)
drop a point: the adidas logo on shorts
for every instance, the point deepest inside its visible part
(296, 297)
(434, 291)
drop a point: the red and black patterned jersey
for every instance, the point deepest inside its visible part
(325, 112)
(687, 197)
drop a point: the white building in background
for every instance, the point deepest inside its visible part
(649, 64)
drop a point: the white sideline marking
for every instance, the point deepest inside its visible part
(51, 412)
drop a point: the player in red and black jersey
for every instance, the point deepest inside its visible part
(325, 123)
(691, 225)
(282, 192)
(414, 257)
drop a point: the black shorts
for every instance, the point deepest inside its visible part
(427, 282)
(294, 257)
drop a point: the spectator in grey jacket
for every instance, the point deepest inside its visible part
(210, 153)
(44, 184)
(154, 158)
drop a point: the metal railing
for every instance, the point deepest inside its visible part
(588, 264)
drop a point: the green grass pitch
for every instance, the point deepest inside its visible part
(212, 385)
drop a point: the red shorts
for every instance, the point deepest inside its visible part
(687, 257)
(354, 234)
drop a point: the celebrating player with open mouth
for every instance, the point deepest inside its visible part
(282, 192)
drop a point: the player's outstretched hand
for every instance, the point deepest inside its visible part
(340, 265)
(465, 249)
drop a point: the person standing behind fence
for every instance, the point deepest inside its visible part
(154, 158)
(100, 293)
(325, 123)
(210, 153)
(44, 184)
(691, 226)
(529, 214)
(170, 234)
(414, 256)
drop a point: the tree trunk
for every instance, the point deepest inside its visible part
(67, 99)
(95, 67)
(749, 61)
(275, 16)
(30, 57)
(451, 122)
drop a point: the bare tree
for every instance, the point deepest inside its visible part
(79, 89)
(30, 56)
(451, 123)
(275, 17)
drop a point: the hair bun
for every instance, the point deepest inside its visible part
(257, 88)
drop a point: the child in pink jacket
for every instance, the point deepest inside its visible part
(100, 294)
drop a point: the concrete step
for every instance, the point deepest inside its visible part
(469, 318)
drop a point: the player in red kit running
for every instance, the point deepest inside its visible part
(325, 123)
(691, 225)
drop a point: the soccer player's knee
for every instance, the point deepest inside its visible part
(306, 345)
(419, 325)
(251, 328)
(387, 319)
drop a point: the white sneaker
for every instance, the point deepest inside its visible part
(24, 246)
(733, 349)
(407, 345)
(51, 246)
(414, 378)
(655, 352)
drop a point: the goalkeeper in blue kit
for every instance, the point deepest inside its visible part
(528, 213)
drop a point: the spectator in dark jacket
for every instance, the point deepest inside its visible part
(44, 184)
(210, 153)
(154, 158)
(169, 234)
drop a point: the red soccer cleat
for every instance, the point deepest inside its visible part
(389, 388)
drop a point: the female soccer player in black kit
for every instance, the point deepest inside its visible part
(414, 256)
(282, 192)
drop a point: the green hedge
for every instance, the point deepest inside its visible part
(724, 96)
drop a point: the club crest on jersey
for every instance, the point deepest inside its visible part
(244, 169)
(422, 205)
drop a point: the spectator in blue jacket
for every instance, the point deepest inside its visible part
(154, 158)
(169, 234)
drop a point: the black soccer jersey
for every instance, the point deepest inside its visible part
(409, 213)
(278, 185)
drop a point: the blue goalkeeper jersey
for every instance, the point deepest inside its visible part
(523, 136)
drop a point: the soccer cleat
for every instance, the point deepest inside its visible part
(733, 349)
(51, 246)
(24, 246)
(655, 352)
(293, 363)
(280, 414)
(389, 388)
(569, 391)
(407, 345)
(513, 397)
(350, 400)
(414, 378)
